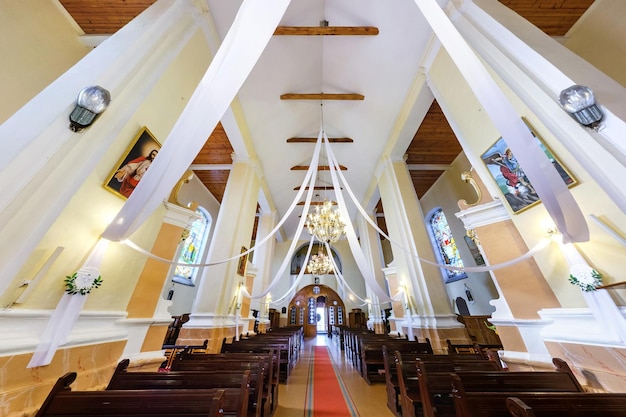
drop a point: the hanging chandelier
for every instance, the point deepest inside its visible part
(325, 223)
(319, 264)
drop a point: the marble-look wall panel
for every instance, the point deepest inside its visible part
(23, 390)
(601, 368)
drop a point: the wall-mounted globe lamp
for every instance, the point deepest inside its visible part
(580, 103)
(90, 103)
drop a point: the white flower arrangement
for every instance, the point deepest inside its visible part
(585, 277)
(83, 281)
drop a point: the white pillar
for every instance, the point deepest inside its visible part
(216, 302)
(263, 261)
(370, 242)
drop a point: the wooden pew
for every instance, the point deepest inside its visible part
(485, 393)
(410, 384)
(242, 393)
(392, 385)
(568, 405)
(373, 362)
(435, 386)
(269, 360)
(258, 398)
(260, 344)
(62, 402)
(486, 350)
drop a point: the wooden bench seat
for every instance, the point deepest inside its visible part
(414, 385)
(568, 405)
(242, 395)
(257, 344)
(62, 402)
(373, 360)
(480, 392)
(269, 359)
(258, 394)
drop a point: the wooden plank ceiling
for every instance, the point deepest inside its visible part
(434, 143)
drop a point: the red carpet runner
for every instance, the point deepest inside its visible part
(327, 396)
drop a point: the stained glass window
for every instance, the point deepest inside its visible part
(193, 246)
(446, 245)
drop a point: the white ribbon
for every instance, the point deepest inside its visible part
(65, 315)
(248, 36)
(553, 192)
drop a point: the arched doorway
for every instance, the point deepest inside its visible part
(317, 308)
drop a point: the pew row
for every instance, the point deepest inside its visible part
(373, 360)
(62, 402)
(242, 390)
(567, 405)
(413, 385)
(259, 390)
(449, 394)
(268, 360)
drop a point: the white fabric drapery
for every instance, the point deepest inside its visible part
(554, 194)
(252, 29)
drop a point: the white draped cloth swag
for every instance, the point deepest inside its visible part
(248, 36)
(553, 192)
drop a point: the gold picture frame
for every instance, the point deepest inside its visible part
(243, 261)
(133, 164)
(510, 177)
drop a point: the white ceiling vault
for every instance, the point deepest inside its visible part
(380, 70)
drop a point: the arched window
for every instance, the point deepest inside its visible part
(193, 248)
(297, 261)
(447, 251)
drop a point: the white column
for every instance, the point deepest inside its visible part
(263, 261)
(216, 301)
(406, 226)
(128, 64)
(370, 242)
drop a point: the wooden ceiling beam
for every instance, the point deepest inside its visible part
(314, 140)
(319, 168)
(315, 203)
(326, 31)
(329, 187)
(321, 96)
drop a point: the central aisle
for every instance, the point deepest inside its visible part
(295, 401)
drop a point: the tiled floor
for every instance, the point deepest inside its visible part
(370, 400)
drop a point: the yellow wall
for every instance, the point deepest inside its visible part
(24, 391)
(35, 50)
(92, 208)
(478, 134)
(603, 48)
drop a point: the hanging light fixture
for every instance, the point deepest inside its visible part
(325, 223)
(319, 264)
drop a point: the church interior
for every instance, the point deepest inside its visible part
(194, 177)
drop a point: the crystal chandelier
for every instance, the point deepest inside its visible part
(319, 264)
(325, 224)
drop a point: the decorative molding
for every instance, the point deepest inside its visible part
(21, 329)
(483, 214)
(210, 321)
(179, 216)
(579, 326)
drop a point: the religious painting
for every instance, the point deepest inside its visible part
(243, 260)
(133, 164)
(518, 192)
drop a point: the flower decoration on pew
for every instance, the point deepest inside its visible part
(585, 277)
(83, 281)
